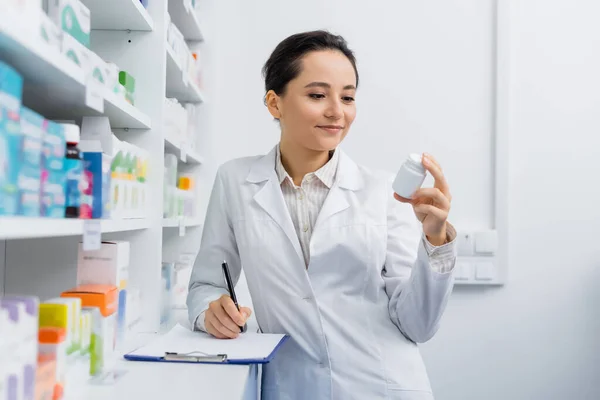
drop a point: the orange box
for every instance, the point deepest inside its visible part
(103, 297)
(45, 378)
(186, 183)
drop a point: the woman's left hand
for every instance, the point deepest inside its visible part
(432, 205)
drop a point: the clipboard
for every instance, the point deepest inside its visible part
(181, 345)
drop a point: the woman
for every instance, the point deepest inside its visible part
(331, 255)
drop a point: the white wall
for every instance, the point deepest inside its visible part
(538, 337)
(427, 81)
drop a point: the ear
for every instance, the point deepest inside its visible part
(272, 101)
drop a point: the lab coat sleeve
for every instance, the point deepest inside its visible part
(417, 283)
(218, 244)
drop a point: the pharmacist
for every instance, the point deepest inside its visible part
(332, 255)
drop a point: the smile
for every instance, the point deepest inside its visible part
(333, 129)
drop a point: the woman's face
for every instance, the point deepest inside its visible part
(317, 108)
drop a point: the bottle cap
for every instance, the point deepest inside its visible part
(416, 161)
(71, 133)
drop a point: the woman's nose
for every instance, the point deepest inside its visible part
(334, 110)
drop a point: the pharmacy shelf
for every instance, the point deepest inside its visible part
(119, 15)
(184, 91)
(27, 228)
(54, 86)
(177, 222)
(185, 18)
(174, 146)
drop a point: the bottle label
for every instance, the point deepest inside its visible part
(73, 168)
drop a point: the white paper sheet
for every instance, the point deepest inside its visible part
(249, 345)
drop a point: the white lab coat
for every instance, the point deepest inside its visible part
(355, 315)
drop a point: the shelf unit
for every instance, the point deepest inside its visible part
(29, 228)
(38, 255)
(177, 222)
(186, 20)
(182, 151)
(177, 86)
(119, 15)
(56, 87)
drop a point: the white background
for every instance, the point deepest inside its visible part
(427, 71)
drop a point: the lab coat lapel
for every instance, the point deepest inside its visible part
(270, 198)
(347, 179)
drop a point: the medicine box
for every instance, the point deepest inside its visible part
(107, 266)
(28, 321)
(95, 202)
(73, 17)
(63, 313)
(53, 176)
(10, 334)
(52, 348)
(25, 309)
(32, 130)
(11, 88)
(102, 301)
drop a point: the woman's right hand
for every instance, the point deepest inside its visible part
(223, 320)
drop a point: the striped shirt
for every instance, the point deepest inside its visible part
(304, 203)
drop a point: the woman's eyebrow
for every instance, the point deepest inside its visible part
(327, 85)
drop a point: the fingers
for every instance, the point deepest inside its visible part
(223, 320)
(220, 319)
(435, 169)
(402, 199)
(246, 313)
(210, 328)
(439, 199)
(232, 311)
(429, 209)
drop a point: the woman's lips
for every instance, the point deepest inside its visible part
(332, 129)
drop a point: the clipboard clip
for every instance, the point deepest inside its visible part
(191, 357)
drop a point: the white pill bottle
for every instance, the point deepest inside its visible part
(410, 177)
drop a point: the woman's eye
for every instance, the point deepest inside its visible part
(316, 96)
(348, 99)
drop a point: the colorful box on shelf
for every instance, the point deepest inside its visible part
(96, 196)
(64, 313)
(53, 177)
(23, 315)
(49, 32)
(128, 83)
(11, 88)
(29, 183)
(73, 17)
(107, 266)
(102, 301)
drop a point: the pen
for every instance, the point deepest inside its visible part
(231, 291)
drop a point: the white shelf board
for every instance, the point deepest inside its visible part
(119, 15)
(26, 228)
(188, 222)
(54, 85)
(185, 92)
(186, 20)
(173, 146)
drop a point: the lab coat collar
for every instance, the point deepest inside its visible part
(270, 198)
(348, 174)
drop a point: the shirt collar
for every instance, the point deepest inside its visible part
(326, 173)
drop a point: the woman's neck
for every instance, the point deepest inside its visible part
(299, 161)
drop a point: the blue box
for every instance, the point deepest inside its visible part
(11, 88)
(54, 147)
(95, 200)
(33, 126)
(53, 181)
(53, 194)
